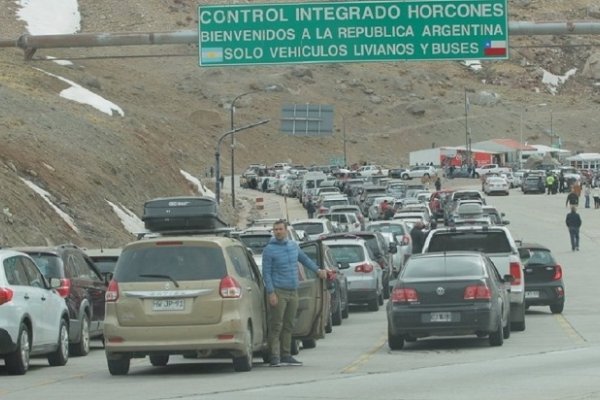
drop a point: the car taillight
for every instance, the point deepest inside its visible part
(65, 288)
(112, 292)
(365, 268)
(229, 288)
(477, 292)
(557, 273)
(6, 295)
(405, 295)
(516, 271)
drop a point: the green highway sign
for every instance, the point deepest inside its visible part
(358, 31)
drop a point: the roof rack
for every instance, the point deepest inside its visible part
(188, 232)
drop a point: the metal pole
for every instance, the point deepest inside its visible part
(467, 126)
(521, 141)
(344, 132)
(232, 127)
(218, 155)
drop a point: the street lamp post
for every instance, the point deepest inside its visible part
(232, 127)
(218, 155)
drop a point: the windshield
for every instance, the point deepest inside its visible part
(440, 267)
(394, 229)
(255, 242)
(180, 263)
(309, 228)
(347, 253)
(484, 241)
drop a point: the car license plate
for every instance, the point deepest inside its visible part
(533, 294)
(168, 305)
(441, 317)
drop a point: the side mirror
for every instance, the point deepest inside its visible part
(393, 248)
(505, 222)
(509, 278)
(524, 254)
(107, 276)
(54, 283)
(301, 234)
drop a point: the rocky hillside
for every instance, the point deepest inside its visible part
(174, 112)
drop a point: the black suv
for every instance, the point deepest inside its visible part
(82, 286)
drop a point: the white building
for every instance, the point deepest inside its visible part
(585, 160)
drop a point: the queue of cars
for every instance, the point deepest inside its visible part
(200, 294)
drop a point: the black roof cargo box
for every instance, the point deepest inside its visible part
(170, 214)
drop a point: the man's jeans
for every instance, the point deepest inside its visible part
(281, 322)
(574, 233)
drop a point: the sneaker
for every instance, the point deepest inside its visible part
(275, 362)
(289, 360)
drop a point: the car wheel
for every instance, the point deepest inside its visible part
(506, 329)
(557, 308)
(295, 347)
(159, 360)
(309, 343)
(61, 355)
(17, 362)
(519, 326)
(83, 347)
(497, 337)
(336, 318)
(404, 176)
(244, 362)
(373, 305)
(118, 366)
(346, 310)
(329, 325)
(396, 342)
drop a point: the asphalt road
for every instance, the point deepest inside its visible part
(555, 358)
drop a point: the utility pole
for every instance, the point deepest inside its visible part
(232, 127)
(467, 150)
(218, 155)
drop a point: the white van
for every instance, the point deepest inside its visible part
(310, 182)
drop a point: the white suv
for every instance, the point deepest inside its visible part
(34, 319)
(419, 172)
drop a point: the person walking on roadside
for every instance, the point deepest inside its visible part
(587, 191)
(438, 184)
(596, 196)
(573, 222)
(572, 199)
(310, 208)
(280, 274)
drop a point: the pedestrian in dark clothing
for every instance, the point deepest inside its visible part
(572, 199)
(280, 274)
(561, 183)
(310, 208)
(573, 222)
(222, 180)
(418, 237)
(212, 172)
(438, 184)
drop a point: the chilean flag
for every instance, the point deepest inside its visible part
(494, 48)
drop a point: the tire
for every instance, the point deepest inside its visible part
(309, 343)
(295, 347)
(61, 355)
(373, 305)
(243, 363)
(83, 347)
(497, 337)
(336, 318)
(17, 362)
(346, 310)
(506, 330)
(159, 360)
(396, 342)
(118, 366)
(557, 308)
(404, 177)
(519, 326)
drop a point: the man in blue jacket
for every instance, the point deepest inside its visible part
(280, 274)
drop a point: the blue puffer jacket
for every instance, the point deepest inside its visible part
(280, 264)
